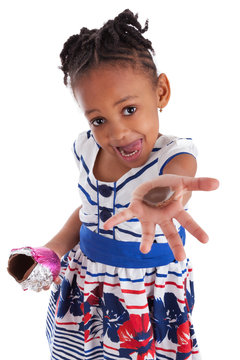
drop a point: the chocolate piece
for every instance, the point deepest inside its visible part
(158, 196)
(20, 266)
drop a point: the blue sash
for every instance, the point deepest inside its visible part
(124, 254)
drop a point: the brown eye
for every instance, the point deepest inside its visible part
(129, 110)
(97, 122)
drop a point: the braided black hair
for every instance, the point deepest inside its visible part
(119, 40)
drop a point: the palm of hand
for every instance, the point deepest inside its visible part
(163, 215)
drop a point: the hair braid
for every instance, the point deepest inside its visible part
(119, 40)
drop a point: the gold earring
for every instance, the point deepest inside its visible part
(160, 109)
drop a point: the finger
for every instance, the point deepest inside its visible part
(174, 240)
(118, 218)
(191, 226)
(201, 183)
(148, 234)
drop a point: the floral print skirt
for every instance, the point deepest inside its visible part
(105, 312)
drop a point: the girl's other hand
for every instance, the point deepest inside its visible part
(34, 268)
(158, 202)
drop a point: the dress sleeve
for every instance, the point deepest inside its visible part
(76, 149)
(81, 146)
(175, 146)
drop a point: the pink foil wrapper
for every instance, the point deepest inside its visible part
(47, 258)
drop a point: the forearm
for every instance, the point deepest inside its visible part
(67, 237)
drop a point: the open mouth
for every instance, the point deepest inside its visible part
(131, 151)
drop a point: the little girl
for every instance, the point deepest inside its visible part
(125, 290)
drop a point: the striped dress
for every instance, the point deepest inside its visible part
(102, 311)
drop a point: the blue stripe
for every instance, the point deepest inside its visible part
(170, 158)
(110, 354)
(140, 172)
(163, 356)
(133, 220)
(114, 206)
(120, 206)
(77, 262)
(90, 184)
(54, 358)
(161, 275)
(184, 138)
(89, 224)
(98, 207)
(89, 134)
(71, 333)
(75, 151)
(129, 232)
(87, 195)
(177, 274)
(108, 232)
(95, 348)
(74, 344)
(84, 165)
(60, 356)
(177, 140)
(74, 251)
(101, 274)
(128, 279)
(151, 273)
(80, 350)
(156, 149)
(114, 197)
(124, 279)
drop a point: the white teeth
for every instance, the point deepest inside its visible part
(131, 154)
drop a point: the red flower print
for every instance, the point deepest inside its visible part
(87, 317)
(184, 339)
(136, 335)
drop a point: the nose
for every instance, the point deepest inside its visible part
(118, 131)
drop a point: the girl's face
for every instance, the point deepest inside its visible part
(121, 105)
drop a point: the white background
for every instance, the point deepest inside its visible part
(197, 46)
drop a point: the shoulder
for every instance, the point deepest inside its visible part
(177, 155)
(83, 142)
(84, 147)
(183, 165)
(171, 142)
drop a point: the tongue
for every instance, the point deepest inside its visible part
(136, 145)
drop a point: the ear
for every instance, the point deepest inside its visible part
(163, 91)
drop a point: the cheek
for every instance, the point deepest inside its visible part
(98, 136)
(151, 122)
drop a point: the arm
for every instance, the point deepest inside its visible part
(182, 165)
(36, 268)
(67, 237)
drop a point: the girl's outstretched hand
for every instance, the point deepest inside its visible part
(158, 202)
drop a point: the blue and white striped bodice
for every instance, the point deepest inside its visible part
(101, 200)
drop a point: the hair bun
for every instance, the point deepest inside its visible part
(128, 19)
